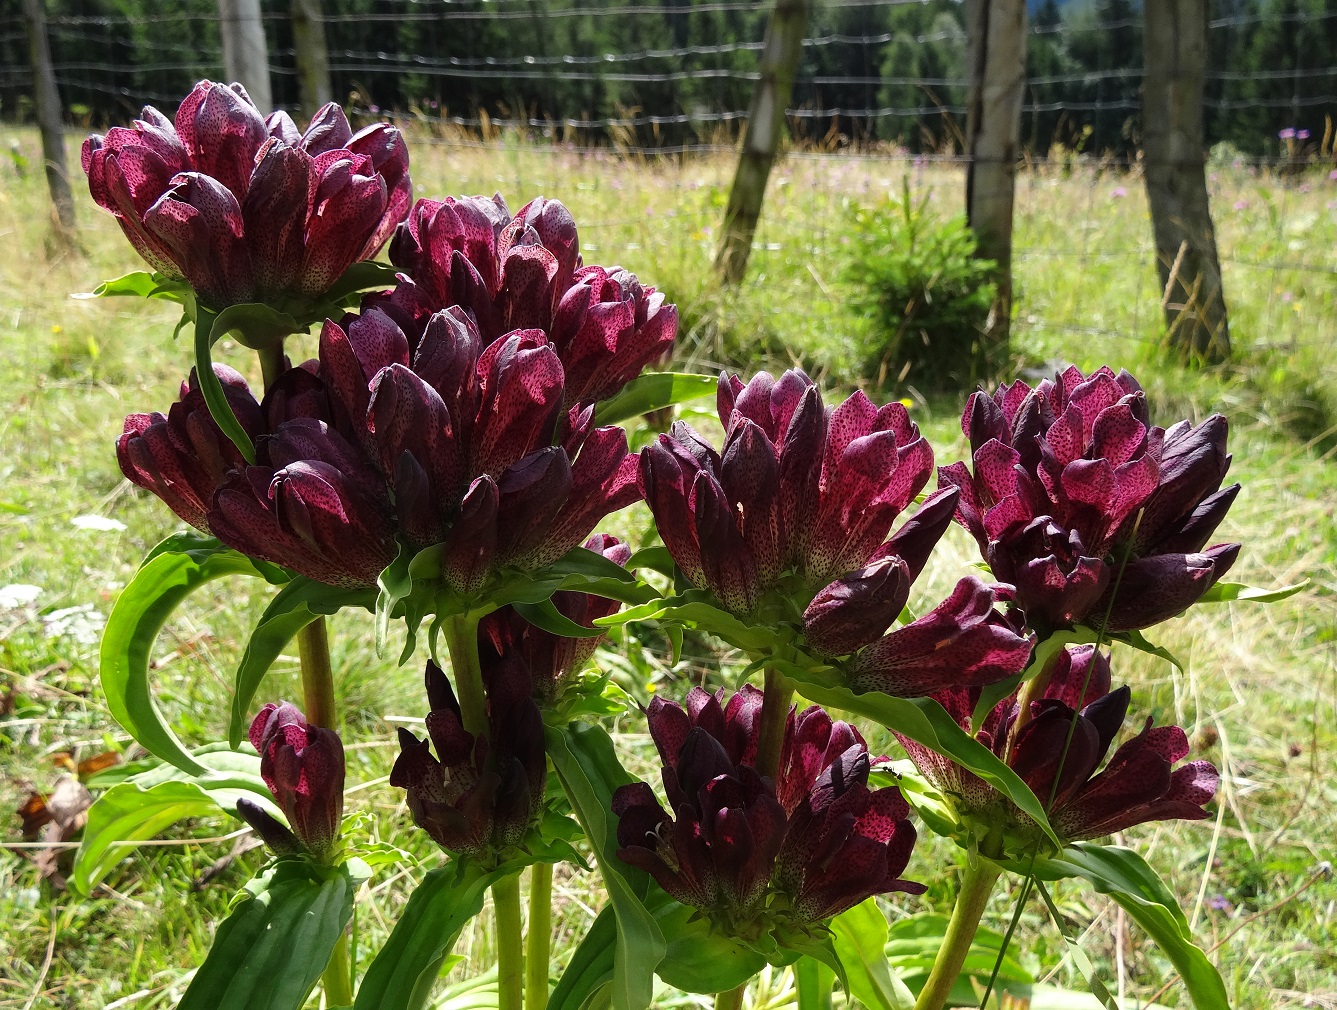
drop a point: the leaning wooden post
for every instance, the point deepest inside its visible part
(765, 122)
(1175, 46)
(996, 58)
(49, 118)
(312, 55)
(245, 52)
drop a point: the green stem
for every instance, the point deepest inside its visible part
(272, 363)
(775, 699)
(338, 979)
(538, 939)
(976, 886)
(461, 633)
(731, 999)
(313, 649)
(510, 944)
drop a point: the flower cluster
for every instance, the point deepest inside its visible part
(750, 852)
(481, 794)
(791, 519)
(1057, 748)
(245, 208)
(303, 766)
(550, 660)
(1088, 509)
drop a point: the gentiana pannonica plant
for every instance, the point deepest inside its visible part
(445, 462)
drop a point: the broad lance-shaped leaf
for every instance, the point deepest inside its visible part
(590, 967)
(697, 958)
(271, 950)
(587, 766)
(654, 391)
(136, 618)
(860, 939)
(1226, 592)
(412, 957)
(297, 604)
(147, 803)
(1125, 876)
(925, 721)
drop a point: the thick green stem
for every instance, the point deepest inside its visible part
(976, 886)
(510, 944)
(271, 363)
(313, 648)
(538, 939)
(731, 999)
(338, 978)
(461, 633)
(776, 696)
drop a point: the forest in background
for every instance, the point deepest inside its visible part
(893, 70)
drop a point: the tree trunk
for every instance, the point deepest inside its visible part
(766, 121)
(1173, 162)
(245, 53)
(49, 119)
(312, 55)
(996, 57)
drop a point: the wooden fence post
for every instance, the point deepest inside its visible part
(766, 121)
(312, 55)
(49, 118)
(996, 62)
(245, 53)
(1172, 148)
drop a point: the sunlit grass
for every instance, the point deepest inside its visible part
(1258, 696)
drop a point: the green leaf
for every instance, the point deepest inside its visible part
(655, 558)
(1225, 592)
(360, 277)
(592, 564)
(1139, 642)
(254, 325)
(212, 389)
(295, 606)
(586, 764)
(150, 801)
(139, 284)
(591, 965)
(1125, 876)
(814, 981)
(1078, 955)
(545, 616)
(697, 958)
(691, 608)
(912, 948)
(860, 936)
(654, 391)
(271, 950)
(437, 910)
(925, 721)
(136, 618)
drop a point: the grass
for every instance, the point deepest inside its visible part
(1258, 695)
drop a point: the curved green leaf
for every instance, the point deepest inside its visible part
(147, 803)
(592, 564)
(436, 911)
(586, 764)
(271, 950)
(135, 621)
(591, 965)
(212, 389)
(1125, 876)
(860, 935)
(814, 981)
(698, 959)
(140, 284)
(295, 606)
(654, 391)
(545, 616)
(360, 277)
(925, 721)
(1225, 592)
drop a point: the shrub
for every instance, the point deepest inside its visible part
(926, 297)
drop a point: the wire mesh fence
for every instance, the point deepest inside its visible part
(880, 96)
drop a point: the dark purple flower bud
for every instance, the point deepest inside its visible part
(733, 845)
(479, 796)
(471, 544)
(963, 642)
(273, 832)
(199, 222)
(303, 766)
(1069, 481)
(603, 480)
(1058, 750)
(322, 511)
(1159, 587)
(351, 356)
(530, 495)
(857, 608)
(606, 329)
(520, 397)
(245, 208)
(667, 472)
(184, 458)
